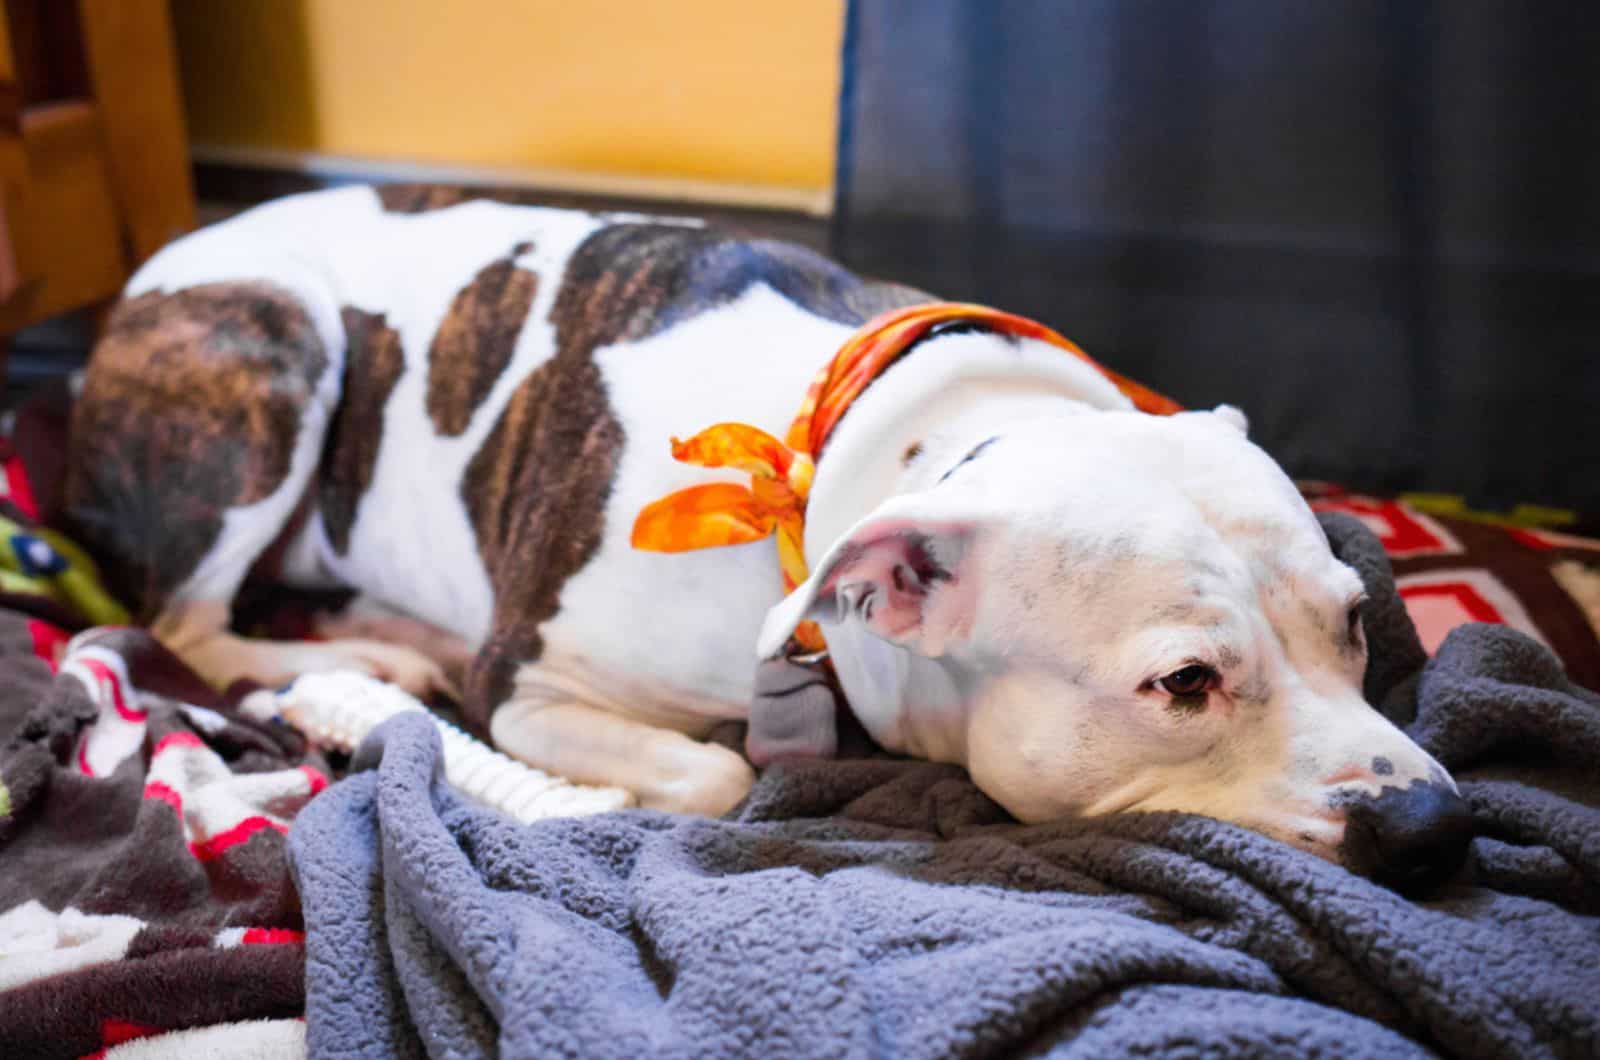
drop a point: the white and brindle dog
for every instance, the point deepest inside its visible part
(458, 409)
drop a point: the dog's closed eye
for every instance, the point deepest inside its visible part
(970, 457)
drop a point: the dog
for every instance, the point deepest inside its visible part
(459, 408)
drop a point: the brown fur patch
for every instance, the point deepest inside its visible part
(191, 406)
(536, 489)
(475, 341)
(373, 364)
(423, 198)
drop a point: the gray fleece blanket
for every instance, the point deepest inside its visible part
(881, 907)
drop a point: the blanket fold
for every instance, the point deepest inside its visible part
(886, 907)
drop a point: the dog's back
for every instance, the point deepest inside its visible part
(454, 407)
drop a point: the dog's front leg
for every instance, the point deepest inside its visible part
(665, 770)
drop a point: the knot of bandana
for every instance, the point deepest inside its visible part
(726, 513)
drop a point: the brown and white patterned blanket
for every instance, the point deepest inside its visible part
(146, 903)
(144, 886)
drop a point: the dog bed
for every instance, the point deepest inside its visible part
(174, 877)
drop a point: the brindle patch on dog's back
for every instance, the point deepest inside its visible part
(191, 406)
(373, 364)
(537, 488)
(476, 339)
(421, 198)
(425, 198)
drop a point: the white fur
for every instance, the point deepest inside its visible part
(746, 361)
(1112, 549)
(1092, 550)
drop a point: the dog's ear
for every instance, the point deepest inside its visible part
(1233, 417)
(909, 580)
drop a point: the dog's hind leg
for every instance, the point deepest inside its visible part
(198, 432)
(196, 435)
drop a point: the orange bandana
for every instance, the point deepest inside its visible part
(725, 513)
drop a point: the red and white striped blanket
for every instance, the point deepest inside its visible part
(146, 902)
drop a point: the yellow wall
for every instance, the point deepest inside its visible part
(739, 91)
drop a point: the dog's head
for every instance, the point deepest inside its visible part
(1112, 611)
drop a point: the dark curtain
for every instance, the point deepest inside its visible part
(1375, 226)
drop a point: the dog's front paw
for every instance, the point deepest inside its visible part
(398, 664)
(716, 784)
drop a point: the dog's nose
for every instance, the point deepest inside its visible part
(1411, 839)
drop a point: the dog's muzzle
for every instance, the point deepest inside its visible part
(1411, 839)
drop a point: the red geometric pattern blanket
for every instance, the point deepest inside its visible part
(1451, 570)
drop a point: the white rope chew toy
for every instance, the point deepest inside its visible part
(336, 711)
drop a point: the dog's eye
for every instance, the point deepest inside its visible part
(1353, 624)
(1195, 679)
